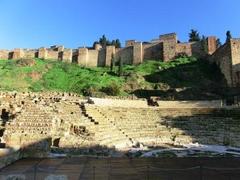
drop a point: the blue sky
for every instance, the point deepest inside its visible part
(74, 23)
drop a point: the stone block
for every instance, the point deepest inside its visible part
(110, 50)
(137, 53)
(82, 56)
(42, 53)
(18, 53)
(212, 44)
(67, 55)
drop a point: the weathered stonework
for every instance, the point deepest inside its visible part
(92, 60)
(4, 54)
(110, 51)
(183, 48)
(39, 122)
(52, 54)
(82, 56)
(18, 53)
(212, 44)
(153, 51)
(235, 53)
(168, 37)
(169, 50)
(67, 55)
(42, 53)
(137, 53)
(165, 48)
(227, 57)
(125, 54)
(130, 43)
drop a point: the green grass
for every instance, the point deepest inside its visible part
(48, 75)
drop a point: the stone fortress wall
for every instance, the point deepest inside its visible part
(166, 47)
(227, 57)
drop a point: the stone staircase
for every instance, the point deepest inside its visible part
(32, 127)
(107, 133)
(33, 120)
(157, 127)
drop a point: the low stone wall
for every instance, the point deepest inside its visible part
(161, 104)
(190, 104)
(120, 103)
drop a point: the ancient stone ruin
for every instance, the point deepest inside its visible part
(33, 124)
(165, 48)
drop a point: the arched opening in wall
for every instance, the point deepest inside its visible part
(56, 142)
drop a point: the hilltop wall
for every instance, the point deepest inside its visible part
(165, 48)
(222, 58)
(125, 54)
(235, 53)
(227, 57)
(153, 51)
(4, 54)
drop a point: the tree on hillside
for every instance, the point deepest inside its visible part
(218, 43)
(118, 43)
(120, 67)
(112, 63)
(194, 36)
(229, 36)
(113, 42)
(204, 44)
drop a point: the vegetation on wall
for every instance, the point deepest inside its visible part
(103, 41)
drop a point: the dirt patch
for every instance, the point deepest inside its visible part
(35, 75)
(25, 62)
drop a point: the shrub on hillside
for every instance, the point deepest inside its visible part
(89, 91)
(112, 89)
(181, 55)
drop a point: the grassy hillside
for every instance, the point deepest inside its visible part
(169, 80)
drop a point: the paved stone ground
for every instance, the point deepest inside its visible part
(126, 169)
